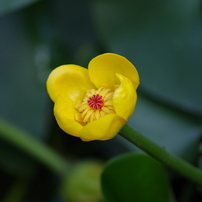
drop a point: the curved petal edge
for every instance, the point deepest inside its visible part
(111, 125)
(125, 97)
(102, 70)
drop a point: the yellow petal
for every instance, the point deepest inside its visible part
(104, 128)
(102, 70)
(125, 98)
(65, 116)
(69, 81)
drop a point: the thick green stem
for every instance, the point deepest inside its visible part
(33, 146)
(161, 154)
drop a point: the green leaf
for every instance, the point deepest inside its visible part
(163, 39)
(10, 5)
(23, 95)
(135, 177)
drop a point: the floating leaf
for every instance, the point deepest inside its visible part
(135, 177)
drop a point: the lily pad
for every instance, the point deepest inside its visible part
(135, 177)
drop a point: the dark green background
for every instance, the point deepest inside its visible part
(163, 39)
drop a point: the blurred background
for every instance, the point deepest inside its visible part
(163, 39)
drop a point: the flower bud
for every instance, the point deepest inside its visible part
(83, 182)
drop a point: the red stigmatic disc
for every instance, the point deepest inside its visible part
(96, 101)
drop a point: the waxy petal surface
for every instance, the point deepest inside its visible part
(69, 81)
(104, 128)
(64, 113)
(102, 70)
(125, 97)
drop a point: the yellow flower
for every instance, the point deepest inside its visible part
(94, 104)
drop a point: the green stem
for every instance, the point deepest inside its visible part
(33, 146)
(161, 154)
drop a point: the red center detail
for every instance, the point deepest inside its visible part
(96, 101)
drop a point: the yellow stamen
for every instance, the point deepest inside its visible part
(96, 104)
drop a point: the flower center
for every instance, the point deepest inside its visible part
(96, 101)
(96, 104)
